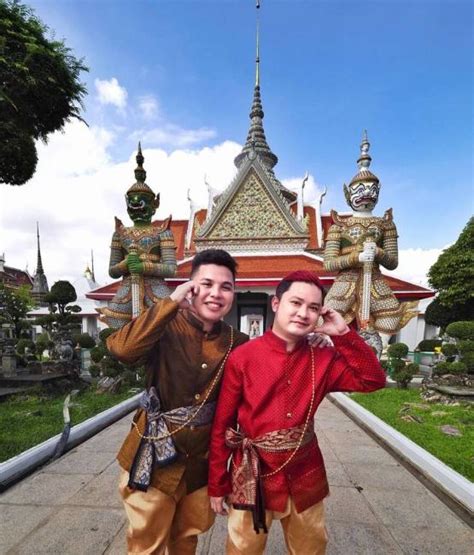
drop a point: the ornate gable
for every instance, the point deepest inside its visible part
(252, 215)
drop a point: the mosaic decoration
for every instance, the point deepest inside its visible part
(252, 215)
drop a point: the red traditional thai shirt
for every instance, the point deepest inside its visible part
(265, 388)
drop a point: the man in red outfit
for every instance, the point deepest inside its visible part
(271, 389)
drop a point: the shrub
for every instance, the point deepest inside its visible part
(22, 344)
(397, 365)
(98, 353)
(428, 345)
(457, 368)
(84, 340)
(105, 333)
(404, 375)
(397, 350)
(461, 330)
(43, 342)
(441, 368)
(385, 364)
(468, 360)
(94, 370)
(413, 368)
(449, 349)
(465, 346)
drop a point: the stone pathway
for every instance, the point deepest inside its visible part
(376, 506)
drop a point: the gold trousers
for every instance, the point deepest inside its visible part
(305, 532)
(160, 523)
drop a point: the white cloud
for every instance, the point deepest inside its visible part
(312, 188)
(414, 264)
(110, 92)
(77, 190)
(171, 135)
(148, 106)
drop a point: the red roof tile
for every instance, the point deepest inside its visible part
(253, 269)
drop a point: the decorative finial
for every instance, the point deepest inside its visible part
(364, 174)
(364, 160)
(305, 179)
(256, 140)
(257, 58)
(140, 173)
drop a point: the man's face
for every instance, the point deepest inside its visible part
(216, 293)
(297, 312)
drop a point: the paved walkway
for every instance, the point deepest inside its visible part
(376, 506)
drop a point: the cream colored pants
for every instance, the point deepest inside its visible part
(305, 532)
(160, 523)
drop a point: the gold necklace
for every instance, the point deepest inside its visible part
(208, 393)
(308, 416)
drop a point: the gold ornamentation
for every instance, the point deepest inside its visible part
(251, 213)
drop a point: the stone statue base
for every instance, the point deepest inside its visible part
(373, 339)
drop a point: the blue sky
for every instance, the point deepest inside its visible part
(401, 69)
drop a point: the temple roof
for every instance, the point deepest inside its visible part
(266, 270)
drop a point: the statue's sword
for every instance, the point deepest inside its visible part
(364, 312)
(135, 285)
(367, 332)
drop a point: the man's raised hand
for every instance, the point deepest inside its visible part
(184, 293)
(333, 322)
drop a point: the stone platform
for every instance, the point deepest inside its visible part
(376, 506)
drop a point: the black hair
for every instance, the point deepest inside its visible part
(219, 257)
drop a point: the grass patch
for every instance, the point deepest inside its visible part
(26, 420)
(456, 452)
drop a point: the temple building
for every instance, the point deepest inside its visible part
(88, 317)
(13, 278)
(266, 227)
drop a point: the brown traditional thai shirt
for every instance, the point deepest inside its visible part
(181, 361)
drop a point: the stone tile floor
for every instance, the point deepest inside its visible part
(376, 506)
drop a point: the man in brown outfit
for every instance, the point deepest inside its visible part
(185, 344)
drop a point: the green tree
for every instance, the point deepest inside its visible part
(452, 275)
(440, 315)
(14, 306)
(61, 320)
(40, 89)
(62, 293)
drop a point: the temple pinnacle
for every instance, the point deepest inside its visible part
(256, 140)
(140, 173)
(39, 262)
(40, 283)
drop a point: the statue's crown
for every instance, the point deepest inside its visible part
(364, 174)
(140, 175)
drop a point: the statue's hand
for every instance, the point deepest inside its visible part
(368, 254)
(134, 264)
